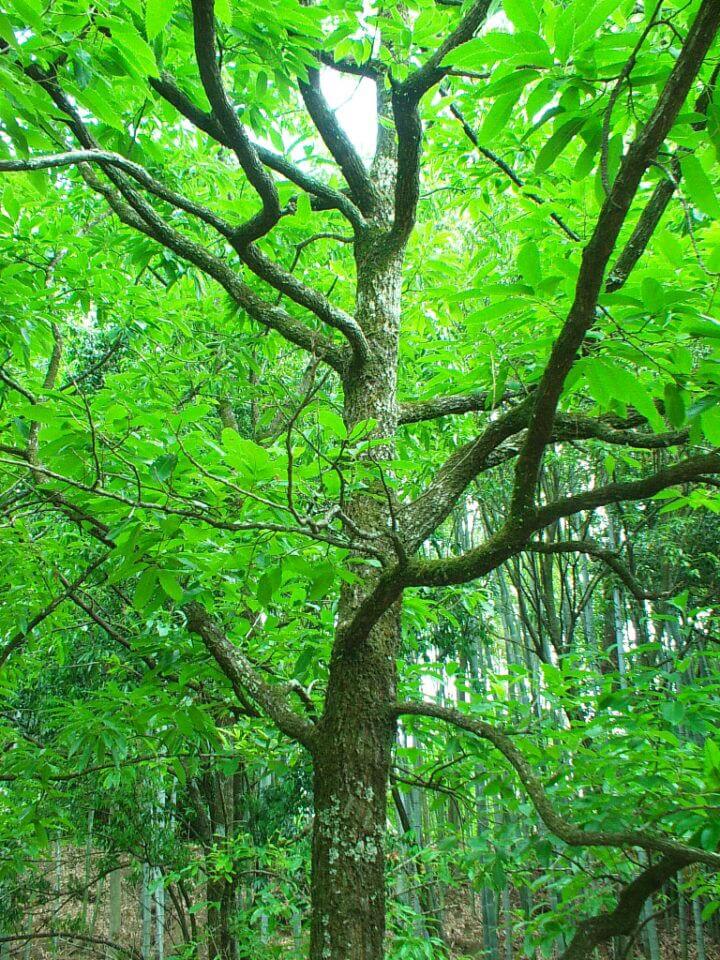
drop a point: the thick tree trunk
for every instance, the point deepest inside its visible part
(355, 739)
(352, 768)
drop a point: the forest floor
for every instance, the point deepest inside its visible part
(73, 896)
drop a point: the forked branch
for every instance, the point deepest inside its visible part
(599, 249)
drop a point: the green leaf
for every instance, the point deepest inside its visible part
(709, 838)
(673, 712)
(528, 262)
(268, 584)
(322, 580)
(498, 45)
(590, 16)
(31, 12)
(557, 143)
(523, 13)
(248, 457)
(303, 662)
(498, 115)
(674, 405)
(653, 294)
(169, 583)
(711, 425)
(625, 386)
(157, 16)
(333, 422)
(96, 97)
(140, 56)
(699, 187)
(145, 587)
(710, 909)
(223, 11)
(494, 311)
(711, 754)
(163, 467)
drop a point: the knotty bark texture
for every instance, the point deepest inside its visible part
(353, 743)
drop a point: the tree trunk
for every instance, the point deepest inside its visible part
(699, 932)
(146, 913)
(222, 944)
(352, 766)
(355, 738)
(682, 919)
(115, 909)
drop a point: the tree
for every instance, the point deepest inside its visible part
(306, 519)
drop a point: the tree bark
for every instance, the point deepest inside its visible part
(354, 740)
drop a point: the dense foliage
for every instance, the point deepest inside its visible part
(359, 428)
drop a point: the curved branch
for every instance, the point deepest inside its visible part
(406, 97)
(570, 426)
(432, 71)
(205, 53)
(135, 170)
(644, 229)
(610, 558)
(456, 403)
(19, 638)
(512, 537)
(68, 935)
(509, 172)
(133, 210)
(285, 282)
(566, 831)
(419, 518)
(623, 920)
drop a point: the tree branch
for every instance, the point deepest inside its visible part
(205, 53)
(135, 212)
(610, 558)
(338, 143)
(432, 71)
(419, 518)
(508, 171)
(331, 199)
(624, 918)
(285, 282)
(597, 252)
(235, 665)
(512, 536)
(406, 97)
(566, 831)
(135, 170)
(641, 235)
(19, 638)
(422, 516)
(68, 935)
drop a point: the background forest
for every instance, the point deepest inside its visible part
(359, 428)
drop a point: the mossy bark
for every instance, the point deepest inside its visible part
(355, 738)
